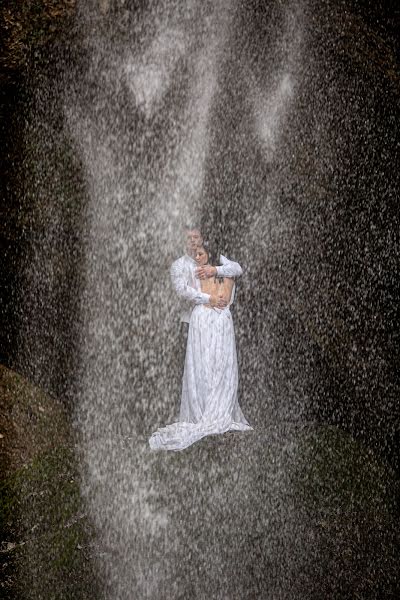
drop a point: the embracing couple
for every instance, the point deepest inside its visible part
(209, 403)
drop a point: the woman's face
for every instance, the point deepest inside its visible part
(201, 257)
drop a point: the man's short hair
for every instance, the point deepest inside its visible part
(192, 227)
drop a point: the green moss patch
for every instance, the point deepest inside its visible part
(47, 538)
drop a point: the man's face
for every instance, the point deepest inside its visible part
(193, 240)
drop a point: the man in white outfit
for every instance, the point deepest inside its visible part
(186, 276)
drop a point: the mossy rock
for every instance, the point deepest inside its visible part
(32, 422)
(47, 537)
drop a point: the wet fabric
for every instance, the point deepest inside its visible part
(209, 401)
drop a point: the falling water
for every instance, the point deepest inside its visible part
(238, 116)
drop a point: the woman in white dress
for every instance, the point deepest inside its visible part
(209, 403)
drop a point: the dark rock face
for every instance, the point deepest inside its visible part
(45, 530)
(275, 127)
(282, 512)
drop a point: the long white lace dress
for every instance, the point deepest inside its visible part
(209, 402)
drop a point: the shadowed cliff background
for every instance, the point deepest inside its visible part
(275, 126)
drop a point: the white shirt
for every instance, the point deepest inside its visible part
(188, 286)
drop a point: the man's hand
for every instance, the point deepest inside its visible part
(206, 272)
(218, 302)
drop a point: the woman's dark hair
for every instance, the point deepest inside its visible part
(213, 256)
